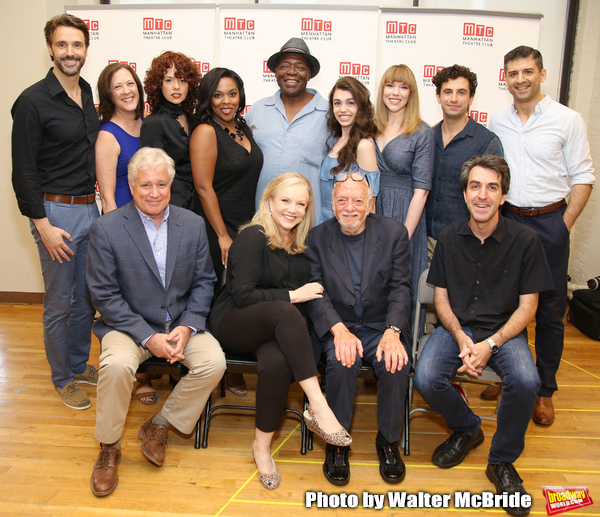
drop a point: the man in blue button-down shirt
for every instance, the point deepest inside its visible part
(290, 127)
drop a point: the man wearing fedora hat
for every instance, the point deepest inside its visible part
(290, 127)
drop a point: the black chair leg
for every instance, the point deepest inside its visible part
(206, 423)
(198, 433)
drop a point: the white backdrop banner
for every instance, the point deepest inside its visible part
(351, 40)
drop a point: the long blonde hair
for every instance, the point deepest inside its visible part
(263, 215)
(412, 116)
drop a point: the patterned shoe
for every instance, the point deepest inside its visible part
(269, 481)
(341, 437)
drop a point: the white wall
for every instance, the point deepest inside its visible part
(585, 93)
(22, 36)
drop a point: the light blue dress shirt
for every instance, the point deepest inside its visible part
(297, 146)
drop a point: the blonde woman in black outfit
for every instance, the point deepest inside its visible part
(261, 311)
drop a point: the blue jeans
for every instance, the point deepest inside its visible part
(68, 312)
(439, 361)
(391, 388)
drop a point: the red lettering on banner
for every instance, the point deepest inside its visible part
(347, 68)
(92, 25)
(502, 75)
(157, 24)
(132, 64)
(431, 70)
(202, 67)
(479, 116)
(472, 29)
(238, 24)
(311, 24)
(393, 27)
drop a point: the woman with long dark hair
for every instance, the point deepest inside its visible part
(350, 122)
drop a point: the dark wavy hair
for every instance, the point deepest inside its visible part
(525, 52)
(487, 161)
(67, 20)
(210, 81)
(363, 126)
(106, 107)
(185, 68)
(454, 72)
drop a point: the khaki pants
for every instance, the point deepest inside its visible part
(119, 361)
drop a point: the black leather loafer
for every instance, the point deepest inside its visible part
(505, 478)
(391, 466)
(454, 450)
(336, 467)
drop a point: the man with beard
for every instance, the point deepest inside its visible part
(54, 132)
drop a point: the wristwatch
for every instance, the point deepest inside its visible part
(493, 346)
(394, 328)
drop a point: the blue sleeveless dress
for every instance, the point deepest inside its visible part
(129, 145)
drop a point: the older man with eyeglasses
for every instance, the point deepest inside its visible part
(363, 262)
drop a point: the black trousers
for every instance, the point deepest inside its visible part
(276, 333)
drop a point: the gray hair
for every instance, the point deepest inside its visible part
(150, 158)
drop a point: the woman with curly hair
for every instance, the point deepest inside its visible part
(171, 84)
(261, 311)
(350, 123)
(405, 147)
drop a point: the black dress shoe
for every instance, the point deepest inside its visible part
(454, 450)
(391, 466)
(505, 478)
(336, 467)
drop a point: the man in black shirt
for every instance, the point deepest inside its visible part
(54, 132)
(487, 272)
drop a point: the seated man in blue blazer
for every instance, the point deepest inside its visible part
(151, 278)
(363, 261)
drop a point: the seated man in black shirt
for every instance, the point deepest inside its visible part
(487, 272)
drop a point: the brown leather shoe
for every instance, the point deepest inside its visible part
(154, 442)
(543, 413)
(491, 392)
(105, 476)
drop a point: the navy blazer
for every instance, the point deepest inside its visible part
(386, 282)
(124, 281)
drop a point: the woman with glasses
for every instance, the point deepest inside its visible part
(405, 155)
(350, 122)
(261, 311)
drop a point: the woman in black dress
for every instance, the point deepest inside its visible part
(260, 311)
(171, 85)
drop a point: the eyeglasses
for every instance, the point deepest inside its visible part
(354, 176)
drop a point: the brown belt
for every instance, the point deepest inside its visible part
(535, 211)
(71, 200)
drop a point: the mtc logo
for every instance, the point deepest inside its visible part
(132, 64)
(310, 24)
(502, 75)
(473, 29)
(92, 25)
(400, 28)
(429, 71)
(202, 67)
(479, 116)
(354, 69)
(239, 24)
(266, 69)
(157, 24)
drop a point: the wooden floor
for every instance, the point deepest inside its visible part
(47, 450)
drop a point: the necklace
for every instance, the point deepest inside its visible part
(239, 133)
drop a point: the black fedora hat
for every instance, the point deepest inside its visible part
(295, 46)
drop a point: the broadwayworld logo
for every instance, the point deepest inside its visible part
(561, 499)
